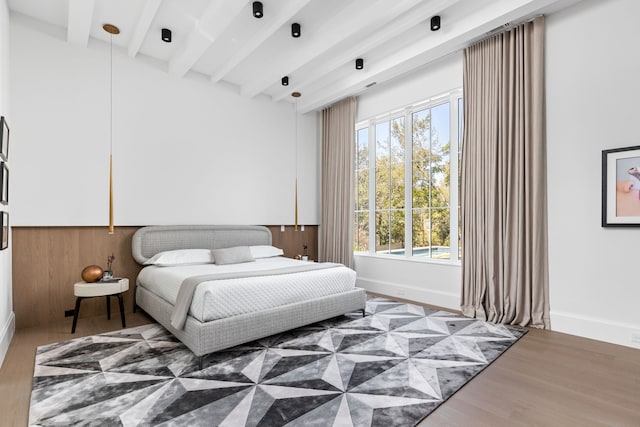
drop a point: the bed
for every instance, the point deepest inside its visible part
(242, 304)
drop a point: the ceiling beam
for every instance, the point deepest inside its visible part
(79, 21)
(142, 26)
(352, 20)
(455, 37)
(275, 23)
(215, 20)
(382, 35)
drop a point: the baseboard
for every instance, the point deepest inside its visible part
(570, 323)
(6, 335)
(426, 296)
(596, 328)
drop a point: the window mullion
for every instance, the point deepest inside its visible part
(430, 163)
(390, 188)
(408, 183)
(372, 187)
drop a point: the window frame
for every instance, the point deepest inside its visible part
(453, 98)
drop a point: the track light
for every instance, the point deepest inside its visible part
(285, 81)
(435, 23)
(166, 35)
(295, 30)
(359, 64)
(257, 9)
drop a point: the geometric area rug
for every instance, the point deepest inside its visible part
(392, 367)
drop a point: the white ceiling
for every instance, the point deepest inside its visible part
(222, 40)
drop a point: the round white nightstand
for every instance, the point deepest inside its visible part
(109, 289)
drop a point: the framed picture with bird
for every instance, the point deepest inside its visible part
(621, 187)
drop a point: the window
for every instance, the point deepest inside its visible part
(407, 181)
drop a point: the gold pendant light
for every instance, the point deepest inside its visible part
(296, 214)
(111, 29)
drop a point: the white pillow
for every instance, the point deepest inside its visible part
(181, 257)
(265, 251)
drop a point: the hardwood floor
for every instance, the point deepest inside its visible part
(550, 379)
(545, 379)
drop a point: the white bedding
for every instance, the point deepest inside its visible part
(229, 297)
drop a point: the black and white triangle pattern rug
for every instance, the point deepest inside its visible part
(392, 367)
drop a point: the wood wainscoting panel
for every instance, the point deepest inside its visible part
(292, 242)
(47, 261)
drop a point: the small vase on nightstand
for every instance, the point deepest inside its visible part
(108, 273)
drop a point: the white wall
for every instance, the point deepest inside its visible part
(592, 70)
(7, 318)
(185, 150)
(424, 281)
(439, 77)
(592, 104)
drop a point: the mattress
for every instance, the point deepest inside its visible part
(218, 299)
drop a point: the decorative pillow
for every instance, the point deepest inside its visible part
(265, 251)
(181, 257)
(233, 255)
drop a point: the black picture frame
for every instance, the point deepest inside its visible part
(4, 183)
(4, 230)
(621, 187)
(4, 139)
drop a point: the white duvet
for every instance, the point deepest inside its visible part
(230, 297)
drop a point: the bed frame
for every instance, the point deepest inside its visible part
(206, 337)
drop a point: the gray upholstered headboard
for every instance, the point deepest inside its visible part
(148, 241)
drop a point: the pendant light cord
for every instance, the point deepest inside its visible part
(111, 226)
(111, 95)
(296, 136)
(296, 160)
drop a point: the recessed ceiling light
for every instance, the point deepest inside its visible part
(257, 9)
(295, 30)
(435, 23)
(296, 94)
(359, 64)
(166, 35)
(285, 81)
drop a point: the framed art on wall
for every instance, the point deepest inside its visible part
(621, 187)
(4, 230)
(4, 139)
(4, 182)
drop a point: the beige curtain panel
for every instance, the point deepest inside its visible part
(503, 187)
(338, 151)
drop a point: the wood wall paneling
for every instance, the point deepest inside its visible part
(292, 242)
(47, 261)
